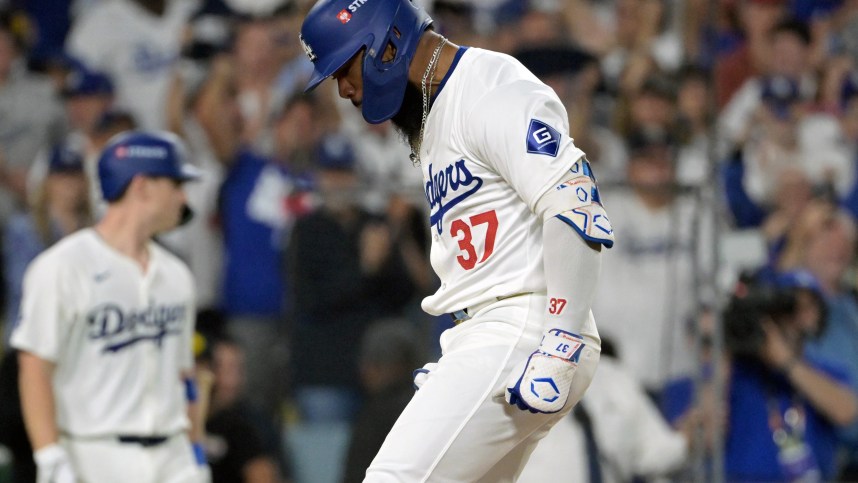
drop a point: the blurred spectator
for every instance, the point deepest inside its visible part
(51, 22)
(574, 75)
(383, 165)
(652, 107)
(788, 56)
(257, 67)
(344, 272)
(242, 444)
(823, 243)
(259, 202)
(390, 350)
(653, 271)
(643, 44)
(136, 43)
(784, 404)
(296, 67)
(750, 57)
(456, 20)
(528, 23)
(786, 158)
(630, 436)
(87, 97)
(694, 116)
(59, 207)
(30, 116)
(206, 116)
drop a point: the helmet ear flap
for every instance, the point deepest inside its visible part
(334, 30)
(385, 87)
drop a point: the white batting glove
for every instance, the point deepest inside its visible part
(543, 385)
(422, 375)
(53, 465)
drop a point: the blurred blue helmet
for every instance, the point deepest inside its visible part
(335, 30)
(151, 154)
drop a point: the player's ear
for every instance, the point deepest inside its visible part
(138, 187)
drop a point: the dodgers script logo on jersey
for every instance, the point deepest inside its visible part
(148, 59)
(457, 181)
(121, 329)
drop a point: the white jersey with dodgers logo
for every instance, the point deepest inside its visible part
(496, 141)
(119, 337)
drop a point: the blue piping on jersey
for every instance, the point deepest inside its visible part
(450, 71)
(604, 241)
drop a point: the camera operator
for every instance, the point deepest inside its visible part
(784, 406)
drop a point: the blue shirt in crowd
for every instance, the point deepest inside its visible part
(751, 453)
(256, 215)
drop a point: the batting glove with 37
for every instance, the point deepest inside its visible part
(543, 385)
(53, 465)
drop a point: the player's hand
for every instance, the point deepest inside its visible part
(422, 375)
(542, 386)
(53, 465)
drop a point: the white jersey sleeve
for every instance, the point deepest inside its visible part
(521, 130)
(85, 41)
(45, 316)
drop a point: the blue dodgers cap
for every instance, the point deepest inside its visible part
(147, 153)
(85, 82)
(849, 88)
(65, 159)
(779, 93)
(335, 152)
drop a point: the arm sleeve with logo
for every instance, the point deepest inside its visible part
(45, 310)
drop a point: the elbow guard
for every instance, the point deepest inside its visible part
(576, 201)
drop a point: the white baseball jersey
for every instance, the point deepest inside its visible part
(496, 140)
(119, 337)
(137, 49)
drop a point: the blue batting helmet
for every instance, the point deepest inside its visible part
(335, 30)
(153, 154)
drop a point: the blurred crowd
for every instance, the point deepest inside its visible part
(723, 133)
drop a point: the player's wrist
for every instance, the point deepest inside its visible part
(562, 344)
(49, 455)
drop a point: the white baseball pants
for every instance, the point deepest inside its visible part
(106, 460)
(458, 428)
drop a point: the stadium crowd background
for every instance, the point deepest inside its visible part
(724, 134)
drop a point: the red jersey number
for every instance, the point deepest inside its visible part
(556, 306)
(463, 233)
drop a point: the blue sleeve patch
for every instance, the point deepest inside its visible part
(542, 139)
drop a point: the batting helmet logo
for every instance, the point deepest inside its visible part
(154, 154)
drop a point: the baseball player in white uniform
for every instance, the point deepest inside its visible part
(517, 229)
(105, 332)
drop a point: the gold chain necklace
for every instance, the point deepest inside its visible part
(425, 84)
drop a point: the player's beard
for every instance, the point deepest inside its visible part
(410, 115)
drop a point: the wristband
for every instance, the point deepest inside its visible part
(191, 393)
(562, 344)
(199, 453)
